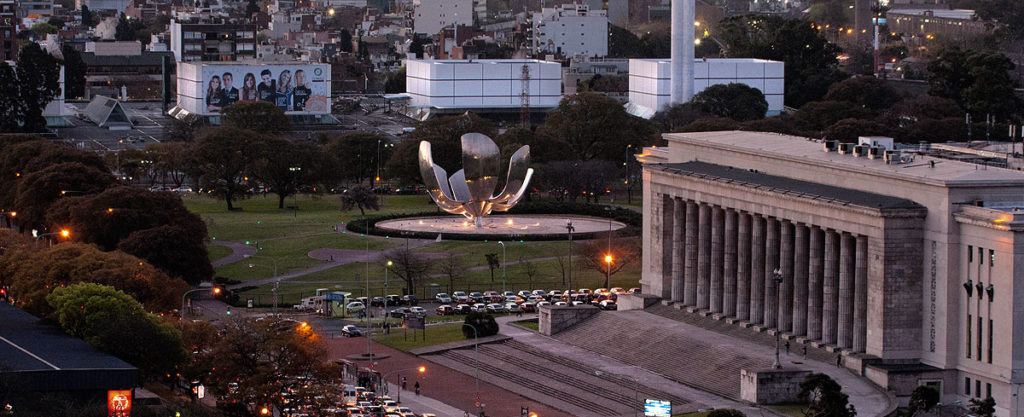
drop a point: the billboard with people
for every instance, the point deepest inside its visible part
(295, 88)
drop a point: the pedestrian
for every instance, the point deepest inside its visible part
(805, 352)
(787, 348)
(839, 359)
(417, 387)
(403, 383)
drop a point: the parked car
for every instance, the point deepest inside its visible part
(408, 300)
(543, 303)
(524, 294)
(417, 310)
(461, 297)
(351, 331)
(493, 297)
(617, 290)
(541, 293)
(393, 299)
(528, 307)
(561, 303)
(634, 290)
(399, 312)
(476, 296)
(511, 299)
(480, 307)
(495, 308)
(608, 305)
(443, 298)
(445, 310)
(377, 302)
(512, 308)
(355, 307)
(463, 309)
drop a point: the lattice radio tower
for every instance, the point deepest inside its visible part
(524, 97)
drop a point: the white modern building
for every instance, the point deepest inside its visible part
(650, 83)
(571, 29)
(118, 6)
(483, 84)
(432, 15)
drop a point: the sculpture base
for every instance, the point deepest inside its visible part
(506, 225)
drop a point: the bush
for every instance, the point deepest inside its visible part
(483, 323)
(726, 412)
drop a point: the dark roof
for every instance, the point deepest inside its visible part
(147, 58)
(43, 358)
(774, 183)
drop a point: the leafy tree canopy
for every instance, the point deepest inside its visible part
(736, 101)
(865, 91)
(593, 126)
(978, 80)
(223, 158)
(258, 116)
(825, 397)
(483, 323)
(444, 135)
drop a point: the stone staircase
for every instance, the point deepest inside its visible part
(690, 362)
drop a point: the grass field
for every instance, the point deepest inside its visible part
(405, 340)
(795, 410)
(216, 252)
(529, 324)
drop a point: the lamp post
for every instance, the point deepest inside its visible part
(570, 229)
(608, 270)
(476, 358)
(777, 278)
(636, 390)
(63, 233)
(503, 289)
(386, 299)
(384, 379)
(183, 298)
(276, 281)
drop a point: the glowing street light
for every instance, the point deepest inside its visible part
(608, 270)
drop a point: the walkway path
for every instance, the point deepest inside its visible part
(238, 252)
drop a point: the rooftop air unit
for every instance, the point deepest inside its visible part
(831, 145)
(846, 148)
(893, 157)
(860, 150)
(876, 152)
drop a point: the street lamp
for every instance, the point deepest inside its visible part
(777, 278)
(503, 289)
(476, 358)
(216, 290)
(63, 233)
(570, 229)
(386, 310)
(636, 390)
(276, 281)
(608, 270)
(384, 379)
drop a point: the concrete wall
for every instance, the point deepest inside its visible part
(771, 386)
(554, 319)
(649, 81)
(495, 83)
(636, 301)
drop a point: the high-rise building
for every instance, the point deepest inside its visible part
(8, 30)
(213, 41)
(571, 29)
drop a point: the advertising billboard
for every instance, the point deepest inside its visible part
(119, 403)
(295, 88)
(657, 408)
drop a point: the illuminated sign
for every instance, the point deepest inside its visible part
(295, 88)
(657, 408)
(119, 403)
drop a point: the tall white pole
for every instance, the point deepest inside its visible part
(681, 70)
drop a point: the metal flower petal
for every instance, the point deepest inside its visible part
(469, 191)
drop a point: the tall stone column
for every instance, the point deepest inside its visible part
(786, 266)
(743, 268)
(800, 271)
(729, 268)
(717, 257)
(860, 296)
(678, 210)
(830, 287)
(814, 279)
(771, 263)
(847, 270)
(704, 258)
(757, 243)
(690, 264)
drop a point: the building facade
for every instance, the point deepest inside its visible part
(213, 42)
(956, 24)
(8, 30)
(650, 81)
(570, 30)
(483, 84)
(432, 15)
(906, 264)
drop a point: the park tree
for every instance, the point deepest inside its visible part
(264, 357)
(529, 269)
(259, 116)
(736, 101)
(983, 408)
(711, 124)
(674, 117)
(174, 249)
(170, 160)
(416, 47)
(182, 128)
(492, 263)
(38, 82)
(484, 324)
(726, 412)
(222, 159)
(33, 274)
(10, 109)
(408, 266)
(864, 91)
(445, 137)
(394, 82)
(451, 267)
(825, 397)
(12, 240)
(594, 255)
(39, 190)
(978, 80)
(359, 156)
(127, 28)
(576, 178)
(541, 149)
(922, 399)
(74, 72)
(286, 166)
(593, 126)
(361, 197)
(819, 115)
(811, 63)
(848, 130)
(251, 8)
(23, 154)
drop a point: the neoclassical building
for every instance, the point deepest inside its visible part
(909, 265)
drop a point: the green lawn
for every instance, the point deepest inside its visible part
(795, 410)
(403, 339)
(215, 252)
(529, 324)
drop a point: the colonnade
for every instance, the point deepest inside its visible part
(799, 278)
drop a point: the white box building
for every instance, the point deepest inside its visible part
(572, 29)
(649, 81)
(482, 84)
(433, 15)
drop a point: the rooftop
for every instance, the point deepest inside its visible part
(482, 61)
(711, 60)
(962, 14)
(925, 169)
(783, 185)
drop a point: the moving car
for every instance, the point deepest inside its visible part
(399, 312)
(355, 307)
(351, 331)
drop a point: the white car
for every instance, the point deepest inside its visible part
(512, 308)
(443, 298)
(543, 303)
(479, 307)
(461, 297)
(617, 290)
(561, 303)
(495, 308)
(417, 310)
(389, 406)
(355, 307)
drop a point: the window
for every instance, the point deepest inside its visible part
(991, 258)
(980, 322)
(970, 254)
(969, 347)
(988, 390)
(977, 388)
(981, 255)
(989, 342)
(967, 386)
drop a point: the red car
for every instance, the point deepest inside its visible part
(445, 310)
